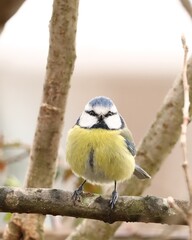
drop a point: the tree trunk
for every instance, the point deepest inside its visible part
(59, 69)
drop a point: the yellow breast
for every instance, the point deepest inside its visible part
(99, 155)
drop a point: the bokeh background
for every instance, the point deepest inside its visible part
(127, 50)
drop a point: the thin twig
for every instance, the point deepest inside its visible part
(183, 140)
(16, 158)
(179, 210)
(184, 125)
(15, 144)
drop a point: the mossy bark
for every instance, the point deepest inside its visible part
(92, 206)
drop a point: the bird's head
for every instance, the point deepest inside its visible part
(101, 112)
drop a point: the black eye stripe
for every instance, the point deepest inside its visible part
(110, 114)
(92, 113)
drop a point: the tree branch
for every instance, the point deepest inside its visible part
(59, 69)
(186, 119)
(187, 6)
(7, 9)
(187, 215)
(93, 206)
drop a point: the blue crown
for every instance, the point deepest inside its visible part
(101, 101)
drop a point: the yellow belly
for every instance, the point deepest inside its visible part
(99, 155)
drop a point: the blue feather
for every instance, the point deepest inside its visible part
(130, 146)
(101, 101)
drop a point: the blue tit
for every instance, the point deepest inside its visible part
(100, 147)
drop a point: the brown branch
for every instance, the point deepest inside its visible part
(184, 125)
(7, 9)
(93, 206)
(187, 6)
(59, 69)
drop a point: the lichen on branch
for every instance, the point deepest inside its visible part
(92, 206)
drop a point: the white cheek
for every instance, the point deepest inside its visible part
(113, 122)
(87, 120)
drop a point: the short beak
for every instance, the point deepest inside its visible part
(100, 118)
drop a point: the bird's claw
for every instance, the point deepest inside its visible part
(114, 198)
(77, 194)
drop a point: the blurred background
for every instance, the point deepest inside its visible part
(127, 50)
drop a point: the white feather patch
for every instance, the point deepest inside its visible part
(113, 122)
(86, 120)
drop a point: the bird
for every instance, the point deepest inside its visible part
(100, 148)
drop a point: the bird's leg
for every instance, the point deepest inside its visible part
(114, 197)
(78, 191)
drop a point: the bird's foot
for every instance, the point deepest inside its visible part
(77, 193)
(114, 198)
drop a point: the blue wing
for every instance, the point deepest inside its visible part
(138, 172)
(130, 146)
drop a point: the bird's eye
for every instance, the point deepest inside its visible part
(92, 113)
(109, 114)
